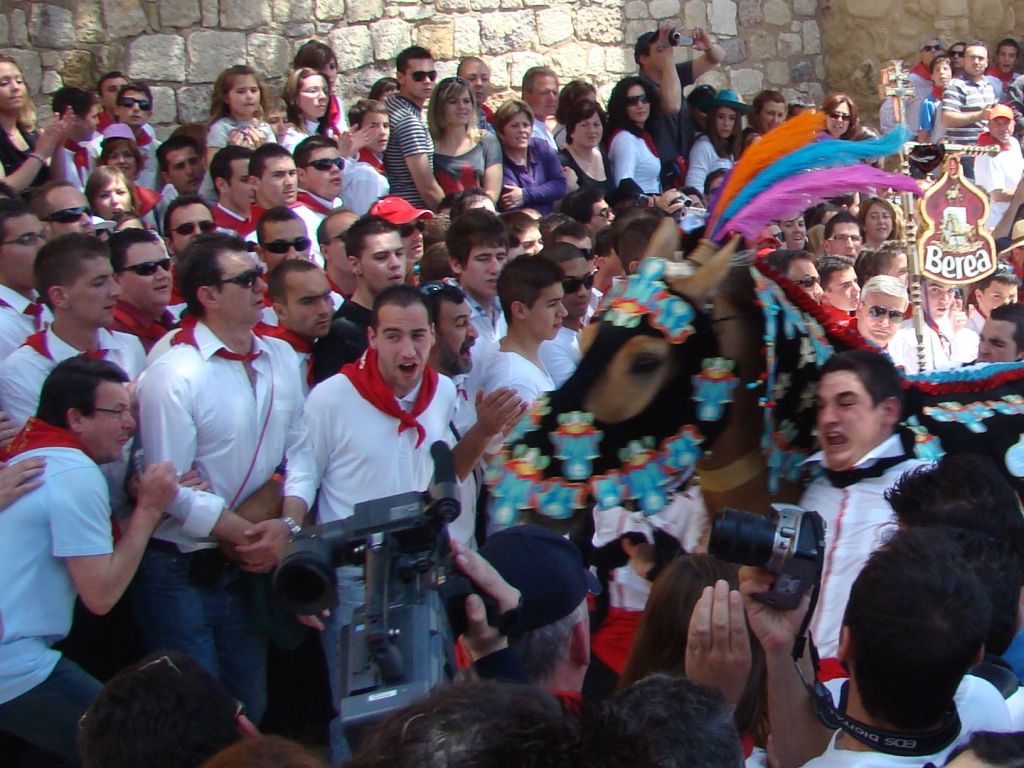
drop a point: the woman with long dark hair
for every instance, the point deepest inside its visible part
(722, 142)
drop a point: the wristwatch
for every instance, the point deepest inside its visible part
(294, 527)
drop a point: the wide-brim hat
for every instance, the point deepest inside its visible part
(1016, 238)
(729, 98)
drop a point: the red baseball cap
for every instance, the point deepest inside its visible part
(399, 211)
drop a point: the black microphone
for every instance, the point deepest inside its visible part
(444, 491)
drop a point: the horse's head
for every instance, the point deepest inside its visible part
(650, 392)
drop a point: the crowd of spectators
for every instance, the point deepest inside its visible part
(211, 342)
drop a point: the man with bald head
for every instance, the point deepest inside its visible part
(475, 71)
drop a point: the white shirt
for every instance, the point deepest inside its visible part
(359, 455)
(362, 185)
(631, 158)
(561, 355)
(978, 703)
(510, 369)
(199, 409)
(858, 520)
(902, 348)
(1002, 171)
(15, 325)
(23, 372)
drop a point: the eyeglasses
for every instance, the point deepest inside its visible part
(932, 47)
(419, 76)
(632, 101)
(845, 238)
(326, 163)
(120, 413)
(189, 227)
(878, 313)
(841, 117)
(807, 282)
(283, 246)
(247, 279)
(573, 284)
(147, 268)
(29, 238)
(956, 53)
(453, 81)
(407, 230)
(68, 215)
(128, 101)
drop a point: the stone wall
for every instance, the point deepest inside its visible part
(180, 45)
(861, 36)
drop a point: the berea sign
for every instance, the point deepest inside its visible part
(954, 246)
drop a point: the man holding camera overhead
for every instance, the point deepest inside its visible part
(674, 129)
(862, 454)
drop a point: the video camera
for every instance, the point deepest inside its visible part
(399, 645)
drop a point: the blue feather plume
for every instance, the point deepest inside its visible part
(826, 153)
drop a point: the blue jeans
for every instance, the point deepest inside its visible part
(212, 624)
(350, 596)
(48, 715)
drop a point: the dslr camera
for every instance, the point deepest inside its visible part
(790, 544)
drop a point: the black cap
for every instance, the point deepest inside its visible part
(642, 44)
(546, 568)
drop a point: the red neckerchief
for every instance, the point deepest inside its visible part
(187, 335)
(231, 221)
(39, 434)
(371, 158)
(337, 289)
(919, 69)
(104, 121)
(306, 199)
(572, 701)
(147, 199)
(842, 317)
(33, 309)
(988, 140)
(38, 342)
(298, 342)
(645, 135)
(1001, 77)
(365, 376)
(488, 113)
(143, 137)
(334, 113)
(255, 214)
(614, 640)
(81, 158)
(128, 319)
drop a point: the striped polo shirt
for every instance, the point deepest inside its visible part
(967, 96)
(409, 136)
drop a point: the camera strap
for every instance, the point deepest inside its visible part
(835, 718)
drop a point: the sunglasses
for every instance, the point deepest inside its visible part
(956, 53)
(148, 268)
(68, 215)
(808, 282)
(29, 238)
(932, 48)
(878, 313)
(128, 101)
(632, 101)
(283, 246)
(406, 230)
(326, 163)
(840, 117)
(573, 284)
(419, 76)
(189, 227)
(247, 279)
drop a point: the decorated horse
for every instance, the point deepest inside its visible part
(708, 367)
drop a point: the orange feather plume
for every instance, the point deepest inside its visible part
(778, 142)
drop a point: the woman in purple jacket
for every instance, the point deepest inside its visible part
(532, 176)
